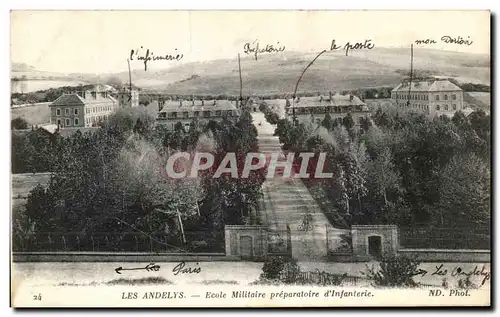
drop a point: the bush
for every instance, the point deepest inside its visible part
(394, 271)
(272, 268)
(290, 271)
(18, 124)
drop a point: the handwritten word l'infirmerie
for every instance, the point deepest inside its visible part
(366, 45)
(253, 48)
(148, 56)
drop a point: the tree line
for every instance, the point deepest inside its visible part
(113, 181)
(401, 167)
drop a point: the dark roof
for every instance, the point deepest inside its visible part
(335, 100)
(67, 132)
(76, 100)
(428, 85)
(187, 105)
(68, 100)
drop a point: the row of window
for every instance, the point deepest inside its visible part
(98, 109)
(404, 96)
(67, 122)
(323, 110)
(412, 97)
(91, 120)
(195, 114)
(445, 107)
(453, 97)
(416, 106)
(67, 111)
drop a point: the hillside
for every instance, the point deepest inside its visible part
(332, 71)
(277, 74)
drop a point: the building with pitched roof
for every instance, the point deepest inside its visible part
(127, 98)
(336, 105)
(83, 109)
(185, 111)
(435, 97)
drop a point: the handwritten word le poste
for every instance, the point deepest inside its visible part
(366, 45)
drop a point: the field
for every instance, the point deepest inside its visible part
(22, 184)
(278, 74)
(33, 114)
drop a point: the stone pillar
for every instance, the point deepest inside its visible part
(227, 236)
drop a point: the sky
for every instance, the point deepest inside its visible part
(100, 41)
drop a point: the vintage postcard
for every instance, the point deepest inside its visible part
(250, 158)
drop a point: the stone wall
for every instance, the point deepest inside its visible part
(388, 234)
(446, 255)
(247, 242)
(118, 257)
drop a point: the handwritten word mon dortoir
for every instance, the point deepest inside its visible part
(366, 45)
(148, 56)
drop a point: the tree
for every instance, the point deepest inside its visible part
(384, 175)
(348, 122)
(19, 124)
(464, 192)
(327, 122)
(114, 81)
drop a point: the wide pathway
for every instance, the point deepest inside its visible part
(287, 201)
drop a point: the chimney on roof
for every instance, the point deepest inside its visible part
(180, 103)
(215, 102)
(202, 102)
(351, 97)
(320, 98)
(192, 101)
(330, 93)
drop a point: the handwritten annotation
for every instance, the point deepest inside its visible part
(149, 267)
(149, 56)
(183, 269)
(366, 45)
(447, 39)
(458, 271)
(254, 49)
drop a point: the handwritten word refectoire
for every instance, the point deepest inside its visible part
(366, 45)
(148, 56)
(253, 48)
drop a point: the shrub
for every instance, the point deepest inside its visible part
(394, 271)
(272, 268)
(290, 271)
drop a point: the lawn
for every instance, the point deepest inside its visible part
(22, 184)
(33, 114)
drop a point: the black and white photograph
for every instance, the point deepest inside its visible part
(250, 158)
